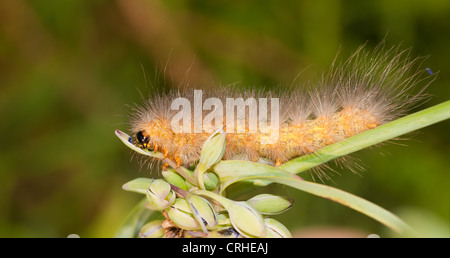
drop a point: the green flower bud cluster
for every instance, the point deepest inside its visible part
(207, 214)
(159, 195)
(197, 207)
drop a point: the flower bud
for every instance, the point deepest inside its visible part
(213, 149)
(152, 229)
(203, 212)
(159, 195)
(246, 220)
(210, 181)
(274, 229)
(269, 204)
(212, 152)
(180, 214)
(174, 178)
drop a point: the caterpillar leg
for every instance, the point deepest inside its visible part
(277, 162)
(178, 160)
(164, 166)
(372, 126)
(165, 153)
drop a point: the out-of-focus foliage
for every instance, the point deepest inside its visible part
(68, 69)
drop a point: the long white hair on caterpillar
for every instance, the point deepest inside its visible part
(367, 90)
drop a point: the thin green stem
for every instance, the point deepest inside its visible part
(358, 142)
(352, 201)
(368, 138)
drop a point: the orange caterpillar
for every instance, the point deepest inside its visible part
(367, 90)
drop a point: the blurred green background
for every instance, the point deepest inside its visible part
(69, 68)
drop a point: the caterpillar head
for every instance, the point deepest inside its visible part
(143, 139)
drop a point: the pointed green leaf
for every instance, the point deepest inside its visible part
(126, 139)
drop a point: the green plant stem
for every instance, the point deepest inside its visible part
(352, 201)
(360, 141)
(371, 137)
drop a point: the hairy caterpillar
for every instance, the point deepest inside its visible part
(367, 90)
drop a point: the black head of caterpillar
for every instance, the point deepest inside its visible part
(142, 139)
